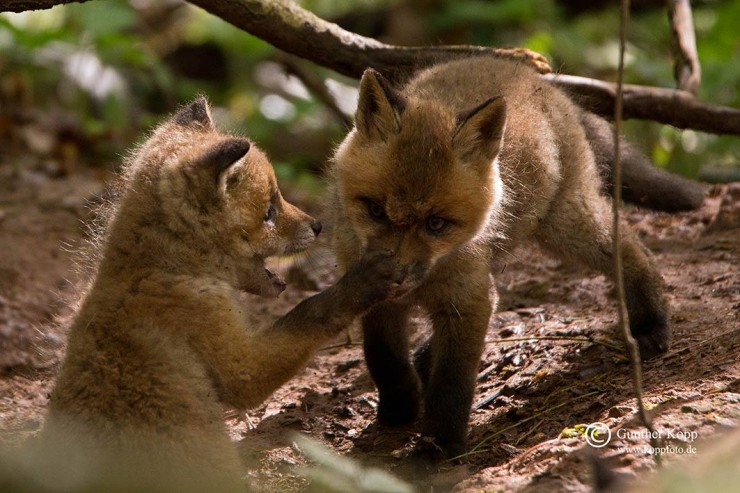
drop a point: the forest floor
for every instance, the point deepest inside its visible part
(553, 358)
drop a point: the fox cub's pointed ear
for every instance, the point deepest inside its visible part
(379, 107)
(197, 113)
(224, 155)
(478, 135)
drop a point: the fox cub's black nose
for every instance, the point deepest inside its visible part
(316, 227)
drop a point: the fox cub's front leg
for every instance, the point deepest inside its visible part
(387, 354)
(250, 367)
(366, 283)
(460, 310)
(458, 298)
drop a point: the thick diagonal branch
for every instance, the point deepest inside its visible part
(287, 26)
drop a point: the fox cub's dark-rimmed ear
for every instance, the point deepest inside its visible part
(379, 107)
(479, 132)
(197, 113)
(225, 154)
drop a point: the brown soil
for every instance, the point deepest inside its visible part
(553, 358)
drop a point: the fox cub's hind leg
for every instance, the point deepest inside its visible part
(387, 355)
(579, 226)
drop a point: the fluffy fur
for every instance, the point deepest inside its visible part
(160, 343)
(452, 172)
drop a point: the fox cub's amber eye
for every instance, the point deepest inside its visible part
(436, 224)
(376, 210)
(270, 214)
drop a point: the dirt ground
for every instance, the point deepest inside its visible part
(553, 358)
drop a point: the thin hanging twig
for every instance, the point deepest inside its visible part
(633, 353)
(686, 66)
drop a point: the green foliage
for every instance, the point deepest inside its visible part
(587, 44)
(333, 473)
(63, 54)
(295, 129)
(492, 14)
(103, 20)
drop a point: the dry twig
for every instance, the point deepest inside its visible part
(558, 338)
(633, 353)
(478, 448)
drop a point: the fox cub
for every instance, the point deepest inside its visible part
(452, 172)
(160, 341)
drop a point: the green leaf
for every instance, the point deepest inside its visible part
(334, 473)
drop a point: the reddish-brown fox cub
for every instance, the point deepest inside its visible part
(161, 340)
(451, 172)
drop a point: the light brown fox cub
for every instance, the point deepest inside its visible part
(451, 172)
(160, 341)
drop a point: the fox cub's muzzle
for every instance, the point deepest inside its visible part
(410, 273)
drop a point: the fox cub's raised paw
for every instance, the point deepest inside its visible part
(374, 278)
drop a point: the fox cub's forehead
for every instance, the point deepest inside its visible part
(425, 134)
(257, 174)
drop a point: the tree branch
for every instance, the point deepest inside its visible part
(670, 106)
(686, 65)
(293, 29)
(287, 26)
(24, 5)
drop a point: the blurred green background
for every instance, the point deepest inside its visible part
(79, 83)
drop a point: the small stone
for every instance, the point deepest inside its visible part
(512, 330)
(507, 317)
(344, 412)
(509, 448)
(347, 365)
(619, 411)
